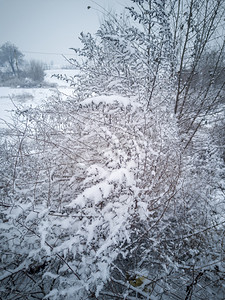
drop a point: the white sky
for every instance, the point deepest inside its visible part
(51, 26)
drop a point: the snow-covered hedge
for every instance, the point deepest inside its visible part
(82, 176)
(118, 192)
(92, 201)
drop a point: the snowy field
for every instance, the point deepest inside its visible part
(11, 98)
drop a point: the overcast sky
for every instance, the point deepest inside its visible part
(50, 26)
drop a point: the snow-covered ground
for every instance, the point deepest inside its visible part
(10, 98)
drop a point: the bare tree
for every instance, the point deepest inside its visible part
(197, 31)
(11, 56)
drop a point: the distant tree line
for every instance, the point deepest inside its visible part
(15, 70)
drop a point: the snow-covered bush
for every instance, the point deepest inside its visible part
(87, 181)
(35, 71)
(98, 201)
(107, 195)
